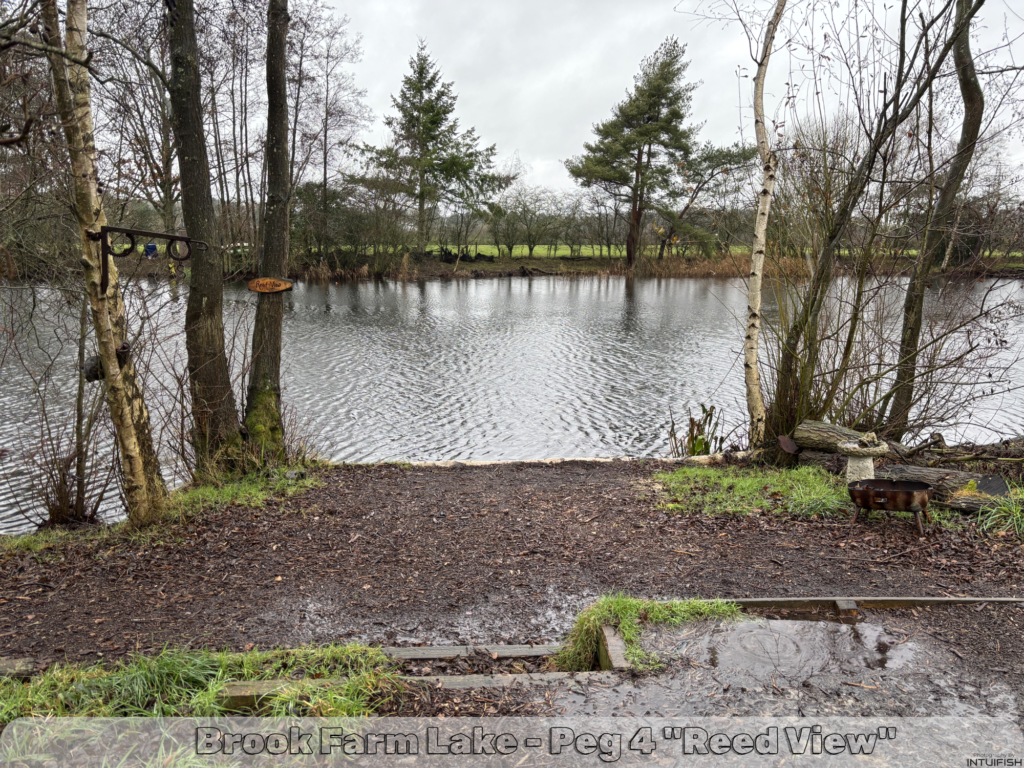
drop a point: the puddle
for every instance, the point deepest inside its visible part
(489, 619)
(782, 649)
(785, 668)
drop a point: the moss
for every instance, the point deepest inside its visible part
(263, 421)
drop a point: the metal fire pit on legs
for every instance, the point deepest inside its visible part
(892, 496)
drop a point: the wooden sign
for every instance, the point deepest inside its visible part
(269, 285)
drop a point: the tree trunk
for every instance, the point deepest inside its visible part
(913, 306)
(769, 161)
(421, 215)
(635, 213)
(144, 488)
(263, 406)
(81, 444)
(214, 414)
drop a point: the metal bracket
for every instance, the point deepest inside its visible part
(107, 251)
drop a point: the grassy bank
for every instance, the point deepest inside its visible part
(800, 492)
(400, 268)
(628, 615)
(179, 683)
(183, 504)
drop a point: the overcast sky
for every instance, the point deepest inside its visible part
(533, 76)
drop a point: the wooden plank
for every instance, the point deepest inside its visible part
(517, 651)
(846, 607)
(449, 652)
(248, 695)
(457, 651)
(269, 285)
(504, 681)
(612, 649)
(866, 602)
(18, 669)
(237, 697)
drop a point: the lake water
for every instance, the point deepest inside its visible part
(516, 368)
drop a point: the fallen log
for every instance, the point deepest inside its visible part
(716, 459)
(830, 462)
(946, 481)
(825, 437)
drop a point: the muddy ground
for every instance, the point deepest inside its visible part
(933, 662)
(469, 554)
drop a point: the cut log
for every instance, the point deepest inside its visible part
(946, 481)
(830, 462)
(821, 436)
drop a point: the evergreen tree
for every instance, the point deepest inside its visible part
(435, 160)
(639, 148)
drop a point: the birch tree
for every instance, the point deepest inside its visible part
(67, 53)
(769, 164)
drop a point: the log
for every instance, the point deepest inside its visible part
(716, 459)
(821, 436)
(830, 462)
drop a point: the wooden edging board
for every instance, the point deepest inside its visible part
(865, 602)
(611, 649)
(248, 695)
(457, 651)
(541, 462)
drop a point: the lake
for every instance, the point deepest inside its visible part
(512, 368)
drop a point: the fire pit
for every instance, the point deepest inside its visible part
(892, 496)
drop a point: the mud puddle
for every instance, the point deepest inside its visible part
(767, 667)
(493, 618)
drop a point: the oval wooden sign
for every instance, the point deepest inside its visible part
(269, 285)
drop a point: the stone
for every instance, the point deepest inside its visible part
(860, 468)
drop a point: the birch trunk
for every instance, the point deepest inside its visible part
(769, 162)
(144, 488)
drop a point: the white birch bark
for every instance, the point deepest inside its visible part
(143, 486)
(769, 163)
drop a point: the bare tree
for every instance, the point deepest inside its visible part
(940, 226)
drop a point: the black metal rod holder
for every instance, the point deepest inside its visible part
(107, 251)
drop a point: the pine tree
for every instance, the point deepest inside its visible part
(638, 149)
(436, 161)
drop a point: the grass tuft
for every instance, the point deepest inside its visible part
(803, 491)
(580, 650)
(1005, 516)
(177, 683)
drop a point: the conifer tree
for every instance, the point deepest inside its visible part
(639, 148)
(429, 153)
